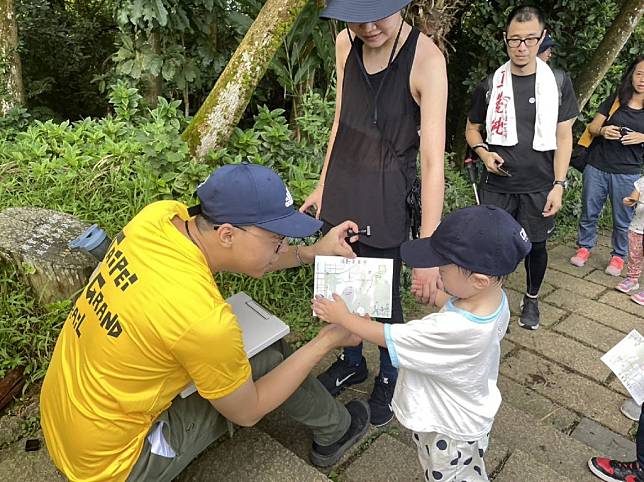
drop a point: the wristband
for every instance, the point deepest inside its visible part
(481, 144)
(297, 255)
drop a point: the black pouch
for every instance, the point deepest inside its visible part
(579, 157)
(413, 208)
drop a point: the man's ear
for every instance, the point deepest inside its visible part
(225, 234)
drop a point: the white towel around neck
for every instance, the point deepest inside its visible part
(501, 121)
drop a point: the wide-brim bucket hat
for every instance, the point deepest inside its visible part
(362, 11)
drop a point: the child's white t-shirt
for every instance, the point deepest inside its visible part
(637, 224)
(448, 368)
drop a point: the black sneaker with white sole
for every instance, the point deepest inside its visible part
(529, 318)
(343, 374)
(380, 401)
(327, 455)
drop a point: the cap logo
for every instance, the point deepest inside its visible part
(523, 235)
(204, 181)
(289, 199)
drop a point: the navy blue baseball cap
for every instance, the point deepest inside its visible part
(362, 11)
(252, 195)
(481, 239)
(546, 44)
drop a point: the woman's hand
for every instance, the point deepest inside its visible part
(610, 133)
(633, 138)
(314, 200)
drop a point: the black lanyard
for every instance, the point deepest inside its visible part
(376, 95)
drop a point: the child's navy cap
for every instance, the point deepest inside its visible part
(482, 239)
(252, 195)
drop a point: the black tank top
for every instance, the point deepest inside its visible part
(373, 166)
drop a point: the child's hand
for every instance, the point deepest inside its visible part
(629, 201)
(330, 311)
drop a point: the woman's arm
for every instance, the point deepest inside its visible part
(342, 49)
(429, 87)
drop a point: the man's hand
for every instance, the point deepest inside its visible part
(334, 242)
(330, 311)
(633, 138)
(425, 283)
(314, 200)
(336, 336)
(492, 162)
(553, 201)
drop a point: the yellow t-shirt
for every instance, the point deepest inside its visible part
(150, 321)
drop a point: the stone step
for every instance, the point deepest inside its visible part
(250, 455)
(546, 445)
(521, 466)
(18, 466)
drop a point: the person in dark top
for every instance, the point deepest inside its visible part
(545, 49)
(390, 107)
(614, 164)
(527, 114)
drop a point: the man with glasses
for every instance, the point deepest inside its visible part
(152, 320)
(527, 112)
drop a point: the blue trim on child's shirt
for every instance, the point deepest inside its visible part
(472, 317)
(393, 356)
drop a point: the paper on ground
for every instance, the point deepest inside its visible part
(626, 360)
(364, 284)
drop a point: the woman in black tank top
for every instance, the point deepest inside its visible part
(390, 105)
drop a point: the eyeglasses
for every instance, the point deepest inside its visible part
(529, 41)
(279, 240)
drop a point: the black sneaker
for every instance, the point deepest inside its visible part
(380, 401)
(342, 374)
(529, 318)
(327, 455)
(615, 471)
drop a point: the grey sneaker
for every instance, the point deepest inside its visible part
(529, 318)
(631, 409)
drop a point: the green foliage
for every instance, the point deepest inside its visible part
(27, 332)
(185, 42)
(306, 56)
(63, 46)
(100, 170)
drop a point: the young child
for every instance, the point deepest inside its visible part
(449, 361)
(635, 245)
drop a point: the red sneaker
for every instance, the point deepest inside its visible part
(580, 258)
(614, 470)
(615, 266)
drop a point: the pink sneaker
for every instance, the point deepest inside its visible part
(615, 266)
(628, 285)
(580, 258)
(638, 298)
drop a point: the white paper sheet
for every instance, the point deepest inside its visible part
(364, 284)
(626, 360)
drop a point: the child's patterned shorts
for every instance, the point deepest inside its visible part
(447, 460)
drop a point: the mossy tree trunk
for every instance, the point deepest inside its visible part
(616, 36)
(12, 92)
(219, 114)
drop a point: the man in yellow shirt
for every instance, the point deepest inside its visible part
(151, 320)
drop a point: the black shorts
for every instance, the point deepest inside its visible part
(527, 209)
